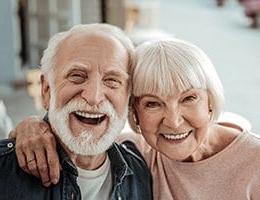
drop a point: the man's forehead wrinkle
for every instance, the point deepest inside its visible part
(92, 38)
(91, 50)
(106, 50)
(75, 65)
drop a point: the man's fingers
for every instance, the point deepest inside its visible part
(42, 166)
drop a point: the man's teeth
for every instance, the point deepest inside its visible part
(176, 136)
(88, 115)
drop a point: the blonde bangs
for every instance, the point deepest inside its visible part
(160, 72)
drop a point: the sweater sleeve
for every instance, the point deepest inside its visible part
(254, 187)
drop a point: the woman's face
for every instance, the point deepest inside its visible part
(175, 125)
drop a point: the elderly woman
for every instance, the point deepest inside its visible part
(176, 100)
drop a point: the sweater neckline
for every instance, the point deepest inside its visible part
(218, 156)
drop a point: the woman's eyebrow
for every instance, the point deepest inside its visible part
(148, 95)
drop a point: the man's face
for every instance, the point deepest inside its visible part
(89, 95)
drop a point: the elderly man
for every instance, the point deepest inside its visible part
(85, 89)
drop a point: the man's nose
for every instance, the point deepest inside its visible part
(93, 93)
(173, 118)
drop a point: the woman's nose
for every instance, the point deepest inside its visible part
(173, 118)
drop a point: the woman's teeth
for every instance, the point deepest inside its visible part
(177, 136)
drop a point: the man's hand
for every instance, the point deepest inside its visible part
(36, 149)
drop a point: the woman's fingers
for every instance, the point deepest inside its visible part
(42, 166)
(31, 162)
(36, 150)
(22, 160)
(53, 162)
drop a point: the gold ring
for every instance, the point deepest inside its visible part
(31, 160)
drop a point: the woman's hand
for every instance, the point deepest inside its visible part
(36, 149)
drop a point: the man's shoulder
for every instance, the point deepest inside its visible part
(8, 161)
(127, 150)
(7, 147)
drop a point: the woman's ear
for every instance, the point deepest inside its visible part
(135, 115)
(134, 105)
(132, 115)
(45, 92)
(210, 109)
(209, 104)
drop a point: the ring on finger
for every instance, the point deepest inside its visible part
(30, 160)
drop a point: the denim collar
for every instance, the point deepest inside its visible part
(119, 167)
(66, 162)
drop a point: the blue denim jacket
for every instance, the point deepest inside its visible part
(130, 175)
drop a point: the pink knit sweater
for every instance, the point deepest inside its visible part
(232, 174)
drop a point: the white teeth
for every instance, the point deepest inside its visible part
(176, 136)
(88, 115)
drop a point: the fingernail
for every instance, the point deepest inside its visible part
(55, 181)
(46, 184)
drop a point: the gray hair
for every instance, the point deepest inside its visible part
(49, 55)
(163, 65)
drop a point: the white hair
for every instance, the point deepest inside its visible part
(163, 65)
(49, 55)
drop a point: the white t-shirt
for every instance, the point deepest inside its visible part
(96, 184)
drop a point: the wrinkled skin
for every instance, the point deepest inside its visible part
(35, 139)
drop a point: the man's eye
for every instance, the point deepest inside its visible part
(113, 83)
(77, 78)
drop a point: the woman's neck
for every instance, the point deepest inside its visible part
(217, 139)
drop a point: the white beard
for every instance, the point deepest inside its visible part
(86, 143)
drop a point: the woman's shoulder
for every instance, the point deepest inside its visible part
(129, 136)
(241, 133)
(145, 149)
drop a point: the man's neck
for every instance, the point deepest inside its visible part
(89, 162)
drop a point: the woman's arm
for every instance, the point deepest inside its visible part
(36, 149)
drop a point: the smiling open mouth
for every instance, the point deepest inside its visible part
(175, 136)
(90, 118)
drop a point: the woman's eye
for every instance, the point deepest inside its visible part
(189, 99)
(77, 78)
(113, 83)
(152, 104)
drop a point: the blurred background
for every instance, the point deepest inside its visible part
(227, 30)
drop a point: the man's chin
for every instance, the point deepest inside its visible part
(88, 145)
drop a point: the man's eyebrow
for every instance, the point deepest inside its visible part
(118, 72)
(75, 65)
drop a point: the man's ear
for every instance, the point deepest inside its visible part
(45, 92)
